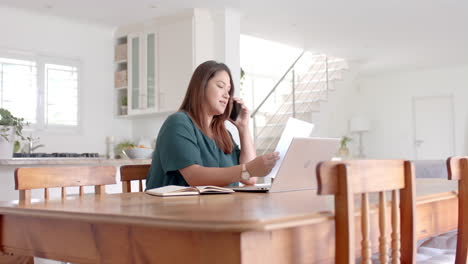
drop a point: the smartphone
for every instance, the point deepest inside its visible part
(235, 111)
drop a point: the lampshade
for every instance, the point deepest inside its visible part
(359, 124)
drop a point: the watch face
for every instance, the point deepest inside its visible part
(245, 175)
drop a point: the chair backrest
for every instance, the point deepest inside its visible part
(27, 179)
(458, 170)
(130, 173)
(344, 180)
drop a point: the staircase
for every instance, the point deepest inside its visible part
(298, 93)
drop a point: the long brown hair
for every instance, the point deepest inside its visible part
(194, 101)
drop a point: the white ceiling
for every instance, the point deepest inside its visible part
(376, 34)
(112, 12)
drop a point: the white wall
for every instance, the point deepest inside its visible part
(92, 45)
(185, 41)
(147, 128)
(175, 62)
(386, 99)
(332, 120)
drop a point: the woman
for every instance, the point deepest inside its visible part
(195, 148)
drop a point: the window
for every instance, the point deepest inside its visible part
(44, 91)
(62, 95)
(18, 87)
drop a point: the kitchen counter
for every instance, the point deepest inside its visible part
(71, 161)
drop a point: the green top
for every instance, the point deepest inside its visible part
(180, 144)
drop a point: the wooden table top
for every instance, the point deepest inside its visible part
(227, 212)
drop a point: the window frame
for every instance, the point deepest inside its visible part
(41, 61)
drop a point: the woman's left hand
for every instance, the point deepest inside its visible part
(242, 120)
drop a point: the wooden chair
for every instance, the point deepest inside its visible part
(458, 170)
(27, 179)
(344, 180)
(129, 173)
(453, 246)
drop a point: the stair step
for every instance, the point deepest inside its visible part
(267, 144)
(312, 77)
(263, 151)
(285, 115)
(322, 71)
(302, 106)
(316, 82)
(310, 91)
(271, 129)
(311, 96)
(299, 107)
(278, 126)
(309, 87)
(321, 66)
(321, 58)
(312, 81)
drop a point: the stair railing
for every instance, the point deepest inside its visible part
(311, 80)
(271, 92)
(316, 96)
(279, 117)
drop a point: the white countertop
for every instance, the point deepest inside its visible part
(71, 161)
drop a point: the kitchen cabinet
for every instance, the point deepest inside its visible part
(136, 76)
(160, 59)
(121, 75)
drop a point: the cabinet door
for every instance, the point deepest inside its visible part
(134, 72)
(150, 99)
(142, 73)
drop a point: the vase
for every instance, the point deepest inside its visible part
(6, 146)
(343, 152)
(123, 110)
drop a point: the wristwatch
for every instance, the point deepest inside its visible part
(245, 173)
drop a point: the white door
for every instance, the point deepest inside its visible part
(433, 127)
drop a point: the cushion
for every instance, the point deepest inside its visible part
(440, 249)
(444, 241)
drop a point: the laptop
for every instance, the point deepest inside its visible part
(297, 171)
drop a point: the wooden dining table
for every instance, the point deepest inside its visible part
(288, 227)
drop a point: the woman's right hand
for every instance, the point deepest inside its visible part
(262, 165)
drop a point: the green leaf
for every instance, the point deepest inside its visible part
(7, 119)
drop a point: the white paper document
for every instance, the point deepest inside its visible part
(294, 128)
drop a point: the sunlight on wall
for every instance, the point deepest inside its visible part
(264, 62)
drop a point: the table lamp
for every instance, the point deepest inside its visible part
(359, 125)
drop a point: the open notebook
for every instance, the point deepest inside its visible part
(174, 190)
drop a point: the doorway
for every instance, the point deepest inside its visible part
(433, 118)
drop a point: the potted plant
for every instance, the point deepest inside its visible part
(10, 126)
(123, 105)
(121, 146)
(344, 150)
(242, 78)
